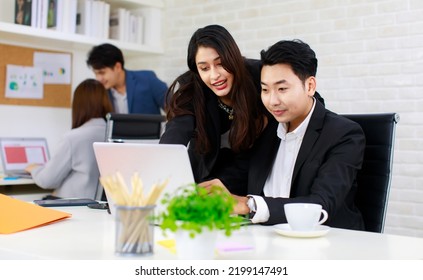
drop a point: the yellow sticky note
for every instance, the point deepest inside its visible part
(169, 244)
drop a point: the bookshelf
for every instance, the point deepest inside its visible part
(47, 38)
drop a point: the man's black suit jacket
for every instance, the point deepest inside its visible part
(325, 170)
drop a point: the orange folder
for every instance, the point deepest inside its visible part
(17, 215)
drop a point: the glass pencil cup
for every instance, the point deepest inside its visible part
(134, 230)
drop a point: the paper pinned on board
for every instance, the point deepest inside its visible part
(56, 67)
(24, 82)
(17, 215)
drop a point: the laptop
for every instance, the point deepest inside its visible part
(153, 162)
(17, 153)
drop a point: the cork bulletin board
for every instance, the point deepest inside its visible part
(55, 95)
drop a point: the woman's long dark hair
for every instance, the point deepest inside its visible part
(90, 100)
(186, 95)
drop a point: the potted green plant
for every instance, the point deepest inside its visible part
(196, 215)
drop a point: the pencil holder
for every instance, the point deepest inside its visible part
(134, 230)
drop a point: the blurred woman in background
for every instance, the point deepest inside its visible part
(72, 171)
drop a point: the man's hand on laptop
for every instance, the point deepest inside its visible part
(240, 207)
(214, 182)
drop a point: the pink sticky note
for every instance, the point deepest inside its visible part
(233, 246)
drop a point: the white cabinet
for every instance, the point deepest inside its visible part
(51, 39)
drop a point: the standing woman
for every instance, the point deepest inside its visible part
(73, 171)
(215, 107)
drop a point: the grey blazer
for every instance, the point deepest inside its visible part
(72, 171)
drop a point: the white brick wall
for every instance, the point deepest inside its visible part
(370, 60)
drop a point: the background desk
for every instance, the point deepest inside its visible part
(13, 182)
(24, 188)
(89, 234)
(20, 186)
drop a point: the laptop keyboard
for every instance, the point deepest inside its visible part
(20, 175)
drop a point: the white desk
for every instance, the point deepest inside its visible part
(89, 235)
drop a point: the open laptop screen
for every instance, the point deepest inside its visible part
(17, 153)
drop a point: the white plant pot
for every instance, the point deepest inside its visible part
(201, 247)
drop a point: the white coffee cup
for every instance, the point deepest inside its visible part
(304, 216)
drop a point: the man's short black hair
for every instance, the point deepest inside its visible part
(105, 55)
(295, 53)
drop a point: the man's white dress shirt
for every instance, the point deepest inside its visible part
(278, 184)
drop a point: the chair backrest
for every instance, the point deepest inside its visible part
(133, 127)
(374, 179)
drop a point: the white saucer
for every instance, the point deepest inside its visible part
(285, 229)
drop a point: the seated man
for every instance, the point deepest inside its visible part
(306, 153)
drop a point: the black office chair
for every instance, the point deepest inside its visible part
(133, 127)
(374, 179)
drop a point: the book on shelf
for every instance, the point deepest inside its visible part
(42, 13)
(126, 26)
(93, 18)
(117, 24)
(34, 13)
(52, 14)
(140, 30)
(105, 20)
(83, 18)
(69, 16)
(23, 12)
(152, 25)
(100, 20)
(136, 29)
